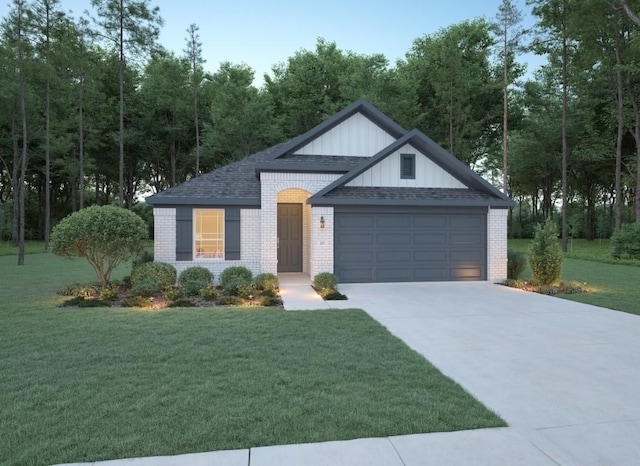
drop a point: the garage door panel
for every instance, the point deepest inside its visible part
(430, 256)
(433, 239)
(356, 239)
(356, 256)
(430, 221)
(431, 274)
(393, 256)
(416, 244)
(393, 239)
(474, 257)
(398, 274)
(466, 240)
(465, 222)
(393, 221)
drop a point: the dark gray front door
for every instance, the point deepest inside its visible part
(378, 244)
(289, 237)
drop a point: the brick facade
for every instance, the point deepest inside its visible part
(496, 245)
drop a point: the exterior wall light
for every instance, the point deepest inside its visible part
(322, 221)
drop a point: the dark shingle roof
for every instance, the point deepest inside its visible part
(233, 184)
(312, 163)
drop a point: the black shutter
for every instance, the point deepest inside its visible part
(232, 234)
(184, 233)
(407, 166)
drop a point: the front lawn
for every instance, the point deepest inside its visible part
(612, 284)
(106, 383)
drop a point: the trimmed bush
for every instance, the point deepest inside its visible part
(625, 242)
(137, 301)
(105, 235)
(268, 301)
(193, 279)
(209, 293)
(145, 288)
(238, 286)
(163, 275)
(325, 280)
(84, 290)
(329, 294)
(109, 294)
(235, 273)
(516, 263)
(545, 255)
(230, 301)
(266, 281)
(182, 302)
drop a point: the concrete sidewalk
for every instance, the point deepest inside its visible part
(298, 295)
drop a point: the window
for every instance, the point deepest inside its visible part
(209, 233)
(408, 166)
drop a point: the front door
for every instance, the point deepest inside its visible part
(289, 237)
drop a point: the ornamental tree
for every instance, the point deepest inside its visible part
(105, 235)
(545, 255)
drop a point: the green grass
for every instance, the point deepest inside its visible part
(30, 247)
(95, 384)
(614, 284)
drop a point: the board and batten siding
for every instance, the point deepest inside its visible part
(356, 136)
(386, 173)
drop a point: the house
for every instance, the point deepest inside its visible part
(357, 195)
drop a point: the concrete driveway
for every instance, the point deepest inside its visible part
(564, 375)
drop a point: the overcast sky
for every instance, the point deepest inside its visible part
(262, 33)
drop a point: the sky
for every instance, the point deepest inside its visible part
(262, 33)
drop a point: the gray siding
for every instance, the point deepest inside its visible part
(404, 244)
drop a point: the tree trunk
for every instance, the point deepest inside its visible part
(620, 133)
(47, 130)
(565, 145)
(15, 230)
(121, 82)
(81, 153)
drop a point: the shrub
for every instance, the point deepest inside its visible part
(545, 255)
(174, 293)
(181, 303)
(516, 263)
(209, 293)
(268, 301)
(238, 286)
(109, 294)
(325, 280)
(142, 258)
(105, 235)
(266, 281)
(79, 301)
(163, 275)
(85, 290)
(329, 294)
(230, 301)
(625, 242)
(238, 272)
(145, 288)
(268, 293)
(137, 301)
(193, 279)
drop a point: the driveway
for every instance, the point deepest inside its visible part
(564, 375)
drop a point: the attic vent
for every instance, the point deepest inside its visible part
(408, 166)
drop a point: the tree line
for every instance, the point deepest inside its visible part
(94, 111)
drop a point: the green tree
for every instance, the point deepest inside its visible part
(130, 25)
(193, 53)
(105, 235)
(545, 255)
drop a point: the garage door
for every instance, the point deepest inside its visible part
(398, 245)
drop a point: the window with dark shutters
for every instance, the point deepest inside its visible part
(407, 166)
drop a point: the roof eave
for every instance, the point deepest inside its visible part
(166, 201)
(496, 204)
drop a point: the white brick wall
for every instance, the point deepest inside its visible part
(496, 245)
(272, 184)
(321, 241)
(164, 227)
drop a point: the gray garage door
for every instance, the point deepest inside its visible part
(403, 244)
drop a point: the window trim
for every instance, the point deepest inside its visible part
(196, 255)
(411, 158)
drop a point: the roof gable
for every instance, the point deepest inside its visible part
(436, 155)
(336, 134)
(386, 173)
